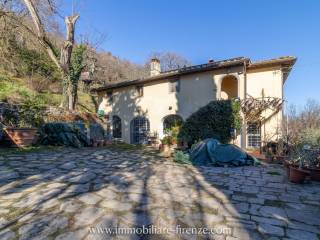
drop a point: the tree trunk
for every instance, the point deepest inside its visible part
(66, 51)
(95, 103)
(65, 90)
(65, 60)
(73, 95)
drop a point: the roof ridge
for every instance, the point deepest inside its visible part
(205, 64)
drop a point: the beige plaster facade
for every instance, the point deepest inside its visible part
(154, 99)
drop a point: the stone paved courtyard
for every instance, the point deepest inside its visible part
(76, 194)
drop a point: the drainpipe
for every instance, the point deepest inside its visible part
(244, 126)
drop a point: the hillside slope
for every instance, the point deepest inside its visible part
(15, 90)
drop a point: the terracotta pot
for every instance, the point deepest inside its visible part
(269, 159)
(165, 150)
(106, 142)
(314, 174)
(22, 137)
(297, 175)
(286, 165)
(100, 143)
(95, 144)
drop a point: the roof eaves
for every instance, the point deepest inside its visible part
(177, 72)
(289, 60)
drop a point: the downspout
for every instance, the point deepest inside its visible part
(244, 126)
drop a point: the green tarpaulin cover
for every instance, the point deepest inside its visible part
(212, 152)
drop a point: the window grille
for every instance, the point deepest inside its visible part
(116, 127)
(254, 134)
(140, 128)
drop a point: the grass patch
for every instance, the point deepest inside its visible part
(15, 90)
(125, 147)
(31, 149)
(274, 173)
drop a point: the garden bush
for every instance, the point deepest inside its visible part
(181, 157)
(28, 114)
(310, 136)
(215, 120)
(62, 134)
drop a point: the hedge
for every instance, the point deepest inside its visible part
(215, 120)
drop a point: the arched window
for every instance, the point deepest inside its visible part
(116, 127)
(170, 121)
(140, 128)
(229, 87)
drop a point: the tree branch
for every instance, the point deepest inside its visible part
(41, 34)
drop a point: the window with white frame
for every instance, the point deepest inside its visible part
(116, 127)
(254, 134)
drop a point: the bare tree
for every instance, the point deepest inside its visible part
(65, 57)
(39, 30)
(296, 122)
(169, 60)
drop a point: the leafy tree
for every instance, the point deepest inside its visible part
(170, 61)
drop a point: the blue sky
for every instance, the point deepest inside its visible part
(201, 29)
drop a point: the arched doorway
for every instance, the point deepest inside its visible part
(116, 127)
(140, 128)
(170, 121)
(229, 87)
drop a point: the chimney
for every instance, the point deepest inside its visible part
(155, 67)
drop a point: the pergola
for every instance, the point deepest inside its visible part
(253, 108)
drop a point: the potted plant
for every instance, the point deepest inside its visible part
(315, 174)
(269, 155)
(309, 138)
(166, 146)
(287, 164)
(280, 157)
(298, 174)
(313, 166)
(21, 125)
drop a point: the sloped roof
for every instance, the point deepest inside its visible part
(287, 62)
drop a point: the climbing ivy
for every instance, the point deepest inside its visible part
(77, 66)
(215, 120)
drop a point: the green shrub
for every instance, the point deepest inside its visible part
(28, 114)
(215, 120)
(167, 140)
(31, 113)
(181, 157)
(310, 136)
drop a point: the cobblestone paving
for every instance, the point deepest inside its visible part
(61, 195)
